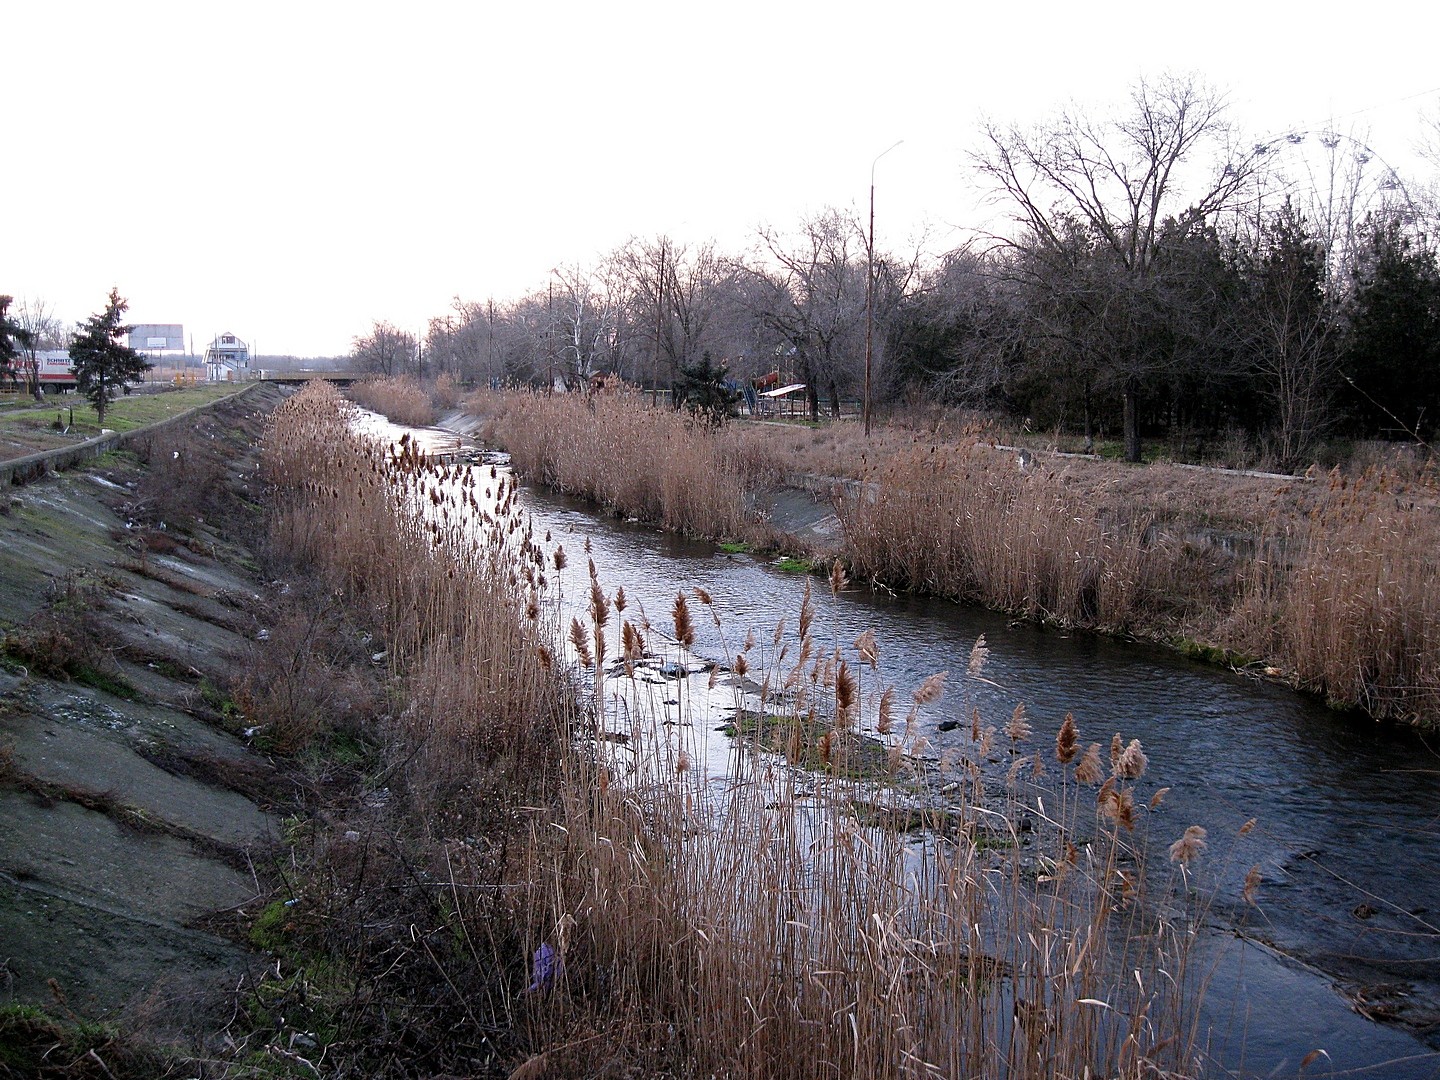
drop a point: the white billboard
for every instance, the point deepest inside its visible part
(158, 337)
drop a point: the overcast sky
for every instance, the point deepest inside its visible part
(292, 171)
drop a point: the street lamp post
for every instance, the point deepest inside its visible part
(870, 284)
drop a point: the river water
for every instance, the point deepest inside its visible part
(1347, 817)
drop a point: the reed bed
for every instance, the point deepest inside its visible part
(1357, 615)
(404, 400)
(773, 922)
(443, 587)
(658, 465)
(964, 522)
(563, 901)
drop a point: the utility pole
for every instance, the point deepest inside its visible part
(870, 286)
(659, 311)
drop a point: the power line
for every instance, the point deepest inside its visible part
(1383, 105)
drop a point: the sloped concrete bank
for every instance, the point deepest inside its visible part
(134, 811)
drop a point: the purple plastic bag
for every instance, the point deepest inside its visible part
(546, 967)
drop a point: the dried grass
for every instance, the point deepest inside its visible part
(402, 399)
(1356, 614)
(657, 465)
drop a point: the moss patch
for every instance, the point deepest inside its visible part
(1211, 654)
(810, 744)
(86, 675)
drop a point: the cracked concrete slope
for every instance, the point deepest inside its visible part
(130, 821)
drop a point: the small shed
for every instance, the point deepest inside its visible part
(781, 400)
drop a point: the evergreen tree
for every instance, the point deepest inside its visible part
(10, 337)
(1392, 342)
(103, 363)
(706, 390)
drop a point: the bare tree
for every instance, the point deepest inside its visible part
(677, 297)
(386, 350)
(587, 314)
(41, 329)
(1428, 147)
(1129, 182)
(810, 287)
(462, 342)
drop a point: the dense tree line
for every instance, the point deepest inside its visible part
(1159, 275)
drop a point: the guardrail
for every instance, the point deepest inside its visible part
(23, 470)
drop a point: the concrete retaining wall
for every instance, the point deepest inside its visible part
(22, 470)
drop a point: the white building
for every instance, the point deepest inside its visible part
(226, 358)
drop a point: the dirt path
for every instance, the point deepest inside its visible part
(132, 811)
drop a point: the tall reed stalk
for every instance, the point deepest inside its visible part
(964, 522)
(404, 400)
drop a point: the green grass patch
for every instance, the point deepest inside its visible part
(343, 748)
(792, 565)
(1151, 451)
(171, 670)
(219, 700)
(124, 414)
(270, 931)
(116, 459)
(734, 547)
(86, 675)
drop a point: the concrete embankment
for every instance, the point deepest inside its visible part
(135, 811)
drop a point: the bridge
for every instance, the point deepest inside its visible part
(339, 378)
